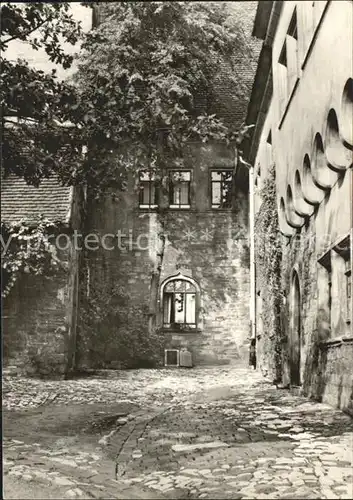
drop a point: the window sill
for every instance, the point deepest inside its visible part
(175, 331)
(180, 207)
(148, 207)
(335, 342)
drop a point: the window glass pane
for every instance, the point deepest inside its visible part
(167, 307)
(226, 195)
(145, 190)
(148, 191)
(179, 308)
(144, 176)
(190, 299)
(189, 287)
(179, 188)
(184, 193)
(147, 176)
(180, 285)
(227, 176)
(176, 194)
(170, 287)
(153, 193)
(216, 176)
(181, 176)
(216, 193)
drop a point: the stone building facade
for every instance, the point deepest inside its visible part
(86, 318)
(302, 108)
(39, 316)
(203, 290)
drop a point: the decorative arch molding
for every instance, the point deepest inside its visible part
(293, 219)
(301, 207)
(311, 193)
(284, 227)
(179, 277)
(346, 114)
(338, 157)
(323, 176)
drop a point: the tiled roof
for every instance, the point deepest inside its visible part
(22, 201)
(233, 82)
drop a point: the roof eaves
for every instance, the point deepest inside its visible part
(262, 18)
(262, 87)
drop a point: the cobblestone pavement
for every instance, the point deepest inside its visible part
(203, 433)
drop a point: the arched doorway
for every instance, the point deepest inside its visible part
(295, 344)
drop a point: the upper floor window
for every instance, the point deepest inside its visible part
(179, 188)
(292, 51)
(179, 304)
(288, 70)
(221, 188)
(326, 262)
(343, 248)
(148, 194)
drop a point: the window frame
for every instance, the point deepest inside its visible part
(151, 182)
(221, 182)
(288, 67)
(343, 249)
(174, 324)
(180, 327)
(326, 263)
(171, 183)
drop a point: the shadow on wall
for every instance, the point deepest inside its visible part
(330, 157)
(328, 375)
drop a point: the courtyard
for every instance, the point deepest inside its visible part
(220, 432)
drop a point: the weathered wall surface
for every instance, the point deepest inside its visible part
(307, 117)
(205, 244)
(36, 325)
(39, 314)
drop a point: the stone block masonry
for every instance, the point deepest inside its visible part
(207, 245)
(37, 321)
(36, 326)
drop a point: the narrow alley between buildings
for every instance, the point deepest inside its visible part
(220, 432)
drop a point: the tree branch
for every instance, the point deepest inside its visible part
(25, 35)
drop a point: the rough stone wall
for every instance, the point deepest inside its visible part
(217, 260)
(208, 245)
(36, 325)
(314, 219)
(335, 374)
(40, 313)
(216, 256)
(299, 257)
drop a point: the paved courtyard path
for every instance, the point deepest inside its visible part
(219, 432)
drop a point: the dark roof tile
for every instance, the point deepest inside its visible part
(22, 201)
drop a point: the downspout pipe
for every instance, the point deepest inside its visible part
(252, 253)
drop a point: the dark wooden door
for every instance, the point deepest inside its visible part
(295, 332)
